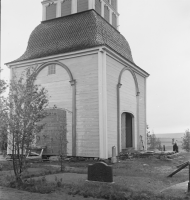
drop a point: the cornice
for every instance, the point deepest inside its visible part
(80, 53)
(55, 57)
(110, 6)
(125, 62)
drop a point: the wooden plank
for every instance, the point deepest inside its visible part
(82, 5)
(51, 12)
(142, 120)
(113, 70)
(66, 8)
(98, 6)
(85, 72)
(114, 20)
(106, 13)
(114, 4)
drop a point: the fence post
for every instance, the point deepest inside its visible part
(189, 179)
(113, 159)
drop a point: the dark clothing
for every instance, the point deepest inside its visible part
(175, 148)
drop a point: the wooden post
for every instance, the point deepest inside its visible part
(181, 164)
(189, 179)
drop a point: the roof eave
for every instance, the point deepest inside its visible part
(132, 63)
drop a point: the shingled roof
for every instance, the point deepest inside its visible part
(74, 32)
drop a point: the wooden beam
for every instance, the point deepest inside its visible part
(176, 171)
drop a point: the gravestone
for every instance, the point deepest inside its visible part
(100, 172)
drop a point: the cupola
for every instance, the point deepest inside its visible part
(59, 8)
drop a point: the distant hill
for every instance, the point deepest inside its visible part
(169, 135)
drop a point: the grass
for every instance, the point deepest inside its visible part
(140, 178)
(95, 190)
(6, 166)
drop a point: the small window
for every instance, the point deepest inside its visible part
(51, 69)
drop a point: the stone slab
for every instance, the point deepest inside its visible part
(100, 172)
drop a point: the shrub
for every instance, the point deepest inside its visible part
(186, 141)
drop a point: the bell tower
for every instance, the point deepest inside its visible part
(59, 8)
(86, 65)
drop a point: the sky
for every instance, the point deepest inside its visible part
(158, 32)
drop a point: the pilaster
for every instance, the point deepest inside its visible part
(117, 17)
(102, 8)
(91, 4)
(58, 8)
(73, 84)
(137, 135)
(117, 5)
(110, 17)
(73, 6)
(44, 7)
(102, 87)
(145, 106)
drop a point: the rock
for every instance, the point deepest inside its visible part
(54, 158)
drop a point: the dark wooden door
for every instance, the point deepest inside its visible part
(123, 131)
(126, 130)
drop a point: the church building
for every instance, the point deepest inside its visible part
(86, 65)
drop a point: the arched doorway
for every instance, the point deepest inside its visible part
(126, 130)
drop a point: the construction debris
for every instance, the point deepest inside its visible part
(131, 153)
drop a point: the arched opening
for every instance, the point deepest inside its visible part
(127, 103)
(127, 130)
(58, 80)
